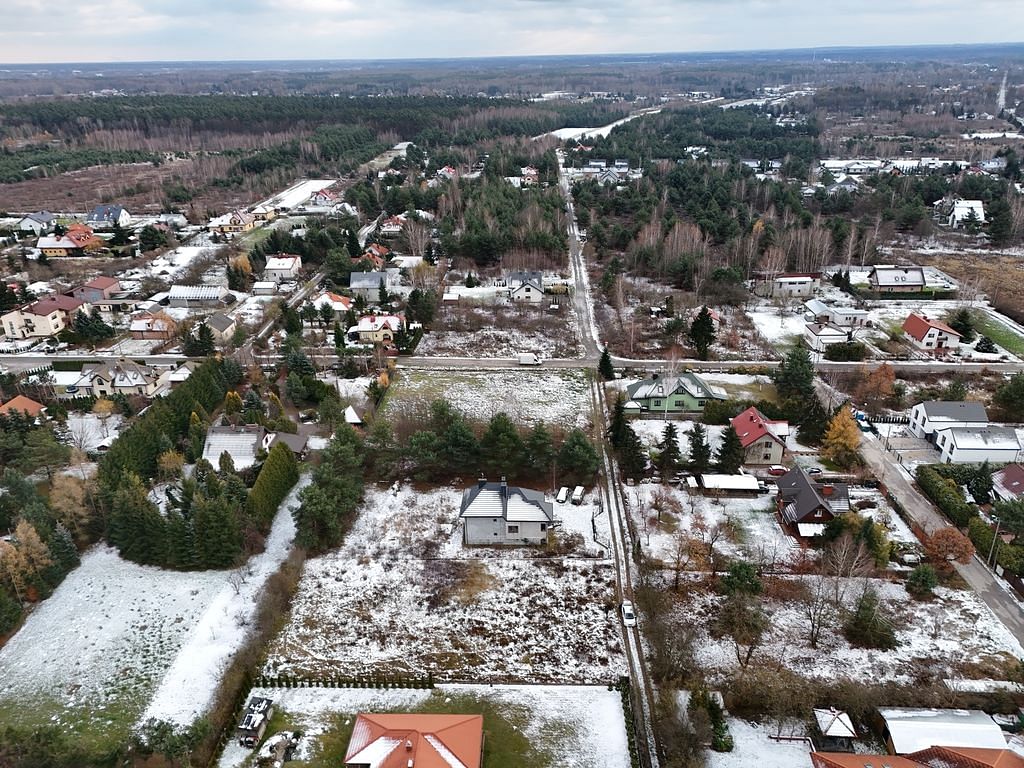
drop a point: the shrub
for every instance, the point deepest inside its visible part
(922, 581)
(868, 626)
(945, 494)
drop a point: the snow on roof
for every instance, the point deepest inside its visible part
(834, 723)
(810, 530)
(912, 730)
(510, 502)
(196, 292)
(242, 444)
(892, 276)
(752, 425)
(284, 262)
(352, 417)
(730, 482)
(982, 438)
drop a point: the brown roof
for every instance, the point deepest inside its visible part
(752, 425)
(102, 283)
(918, 326)
(1011, 477)
(22, 404)
(426, 741)
(51, 304)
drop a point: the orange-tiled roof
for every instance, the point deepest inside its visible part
(845, 760)
(428, 741)
(22, 404)
(968, 757)
(919, 325)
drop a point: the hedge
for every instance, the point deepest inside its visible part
(279, 474)
(1009, 556)
(945, 494)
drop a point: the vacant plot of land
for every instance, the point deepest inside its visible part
(539, 726)
(954, 635)
(554, 397)
(402, 596)
(502, 330)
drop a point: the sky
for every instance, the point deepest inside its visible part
(184, 30)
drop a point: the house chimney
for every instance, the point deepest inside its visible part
(826, 490)
(504, 487)
(408, 746)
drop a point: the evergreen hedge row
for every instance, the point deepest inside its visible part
(279, 474)
(945, 494)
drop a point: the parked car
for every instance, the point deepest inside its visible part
(777, 470)
(563, 495)
(814, 471)
(628, 614)
(577, 494)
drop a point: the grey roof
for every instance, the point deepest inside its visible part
(297, 442)
(506, 501)
(43, 217)
(664, 386)
(105, 213)
(952, 410)
(220, 322)
(802, 496)
(984, 438)
(533, 276)
(366, 279)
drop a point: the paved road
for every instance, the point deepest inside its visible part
(922, 512)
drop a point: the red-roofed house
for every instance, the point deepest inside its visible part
(763, 440)
(930, 335)
(46, 317)
(1008, 483)
(933, 757)
(325, 197)
(423, 741)
(22, 404)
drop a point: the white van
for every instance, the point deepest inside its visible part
(577, 495)
(563, 495)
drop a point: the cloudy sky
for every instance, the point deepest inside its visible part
(153, 30)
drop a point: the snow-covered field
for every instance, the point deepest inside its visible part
(579, 726)
(118, 639)
(774, 328)
(753, 746)
(188, 687)
(500, 343)
(952, 635)
(555, 397)
(87, 431)
(403, 596)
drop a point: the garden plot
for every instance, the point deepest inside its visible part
(778, 328)
(753, 745)
(954, 635)
(559, 398)
(650, 433)
(87, 431)
(402, 596)
(116, 637)
(571, 726)
(750, 528)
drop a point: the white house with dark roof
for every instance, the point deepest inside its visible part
(820, 336)
(282, 267)
(106, 216)
(973, 445)
(39, 223)
(927, 417)
(500, 514)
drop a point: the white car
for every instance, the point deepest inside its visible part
(628, 614)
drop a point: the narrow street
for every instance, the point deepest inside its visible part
(924, 514)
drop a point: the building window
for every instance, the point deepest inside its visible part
(766, 456)
(657, 403)
(817, 513)
(543, 526)
(513, 529)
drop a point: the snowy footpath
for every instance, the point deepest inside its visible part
(187, 689)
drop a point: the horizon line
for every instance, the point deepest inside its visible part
(503, 57)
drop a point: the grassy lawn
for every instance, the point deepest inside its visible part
(98, 732)
(755, 391)
(986, 325)
(505, 745)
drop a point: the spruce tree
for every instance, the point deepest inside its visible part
(540, 449)
(618, 424)
(700, 451)
(501, 446)
(577, 457)
(605, 367)
(795, 375)
(669, 458)
(632, 457)
(730, 455)
(702, 333)
(217, 533)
